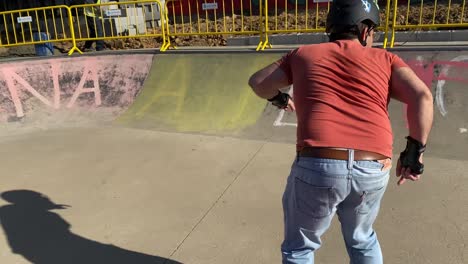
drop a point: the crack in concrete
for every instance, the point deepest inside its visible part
(217, 200)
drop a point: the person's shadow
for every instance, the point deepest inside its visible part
(43, 237)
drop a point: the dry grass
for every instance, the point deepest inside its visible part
(278, 21)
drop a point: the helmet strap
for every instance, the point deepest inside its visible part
(365, 33)
(363, 41)
(363, 38)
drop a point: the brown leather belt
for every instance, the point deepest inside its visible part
(339, 154)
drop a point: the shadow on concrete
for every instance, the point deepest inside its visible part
(43, 237)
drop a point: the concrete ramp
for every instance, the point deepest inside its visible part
(170, 158)
(202, 93)
(208, 94)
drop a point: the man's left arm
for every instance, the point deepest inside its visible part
(267, 82)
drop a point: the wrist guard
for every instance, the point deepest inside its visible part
(409, 158)
(280, 100)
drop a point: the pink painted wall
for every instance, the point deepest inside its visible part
(110, 81)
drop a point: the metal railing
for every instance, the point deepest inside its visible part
(284, 16)
(203, 18)
(213, 17)
(119, 20)
(443, 15)
(36, 26)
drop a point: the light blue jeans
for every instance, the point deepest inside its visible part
(319, 188)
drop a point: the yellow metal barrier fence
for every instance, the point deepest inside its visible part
(213, 17)
(119, 20)
(36, 26)
(249, 17)
(286, 16)
(304, 16)
(294, 16)
(430, 15)
(178, 18)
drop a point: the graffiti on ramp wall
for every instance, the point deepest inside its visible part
(66, 83)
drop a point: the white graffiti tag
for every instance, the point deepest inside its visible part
(440, 85)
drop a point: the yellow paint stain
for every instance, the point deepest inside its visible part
(182, 91)
(199, 93)
(163, 82)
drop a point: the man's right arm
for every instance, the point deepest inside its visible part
(408, 88)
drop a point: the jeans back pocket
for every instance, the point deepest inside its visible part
(314, 201)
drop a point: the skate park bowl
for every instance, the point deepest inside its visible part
(144, 157)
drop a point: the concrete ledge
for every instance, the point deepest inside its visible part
(442, 36)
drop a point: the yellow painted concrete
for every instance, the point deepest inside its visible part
(199, 92)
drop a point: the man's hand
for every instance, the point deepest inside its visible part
(405, 173)
(283, 101)
(410, 164)
(290, 107)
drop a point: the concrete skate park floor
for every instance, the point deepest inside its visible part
(179, 197)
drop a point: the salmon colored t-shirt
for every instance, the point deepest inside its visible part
(341, 94)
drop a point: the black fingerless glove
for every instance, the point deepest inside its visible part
(409, 158)
(280, 100)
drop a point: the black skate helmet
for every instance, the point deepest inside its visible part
(349, 13)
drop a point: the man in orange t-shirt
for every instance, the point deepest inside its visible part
(344, 139)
